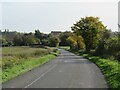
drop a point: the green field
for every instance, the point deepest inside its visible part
(17, 60)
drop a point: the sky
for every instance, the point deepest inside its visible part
(58, 16)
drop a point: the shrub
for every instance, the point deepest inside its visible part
(109, 46)
(54, 50)
(53, 41)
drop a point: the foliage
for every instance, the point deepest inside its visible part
(109, 45)
(4, 41)
(102, 46)
(113, 45)
(38, 34)
(29, 39)
(89, 28)
(8, 37)
(63, 38)
(72, 43)
(53, 41)
(25, 39)
(21, 39)
(75, 42)
(45, 42)
(17, 40)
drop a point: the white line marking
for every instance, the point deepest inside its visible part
(39, 77)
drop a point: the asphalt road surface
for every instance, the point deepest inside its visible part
(66, 71)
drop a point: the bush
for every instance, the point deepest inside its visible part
(53, 41)
(118, 56)
(76, 42)
(109, 46)
(55, 50)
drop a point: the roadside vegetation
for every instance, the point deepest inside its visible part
(28, 39)
(98, 44)
(17, 60)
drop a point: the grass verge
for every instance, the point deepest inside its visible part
(110, 69)
(25, 66)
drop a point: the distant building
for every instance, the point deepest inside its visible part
(56, 33)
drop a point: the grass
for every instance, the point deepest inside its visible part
(18, 60)
(16, 70)
(15, 55)
(110, 68)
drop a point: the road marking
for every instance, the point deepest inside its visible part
(39, 77)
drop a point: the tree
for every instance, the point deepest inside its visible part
(103, 42)
(89, 28)
(53, 41)
(45, 42)
(17, 40)
(113, 45)
(72, 43)
(4, 41)
(109, 45)
(29, 39)
(25, 39)
(76, 42)
(41, 36)
(63, 38)
(38, 35)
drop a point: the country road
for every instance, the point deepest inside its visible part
(66, 71)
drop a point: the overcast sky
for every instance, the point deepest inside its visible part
(47, 16)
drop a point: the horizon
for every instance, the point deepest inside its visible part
(50, 16)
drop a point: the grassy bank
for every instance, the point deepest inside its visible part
(17, 60)
(110, 68)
